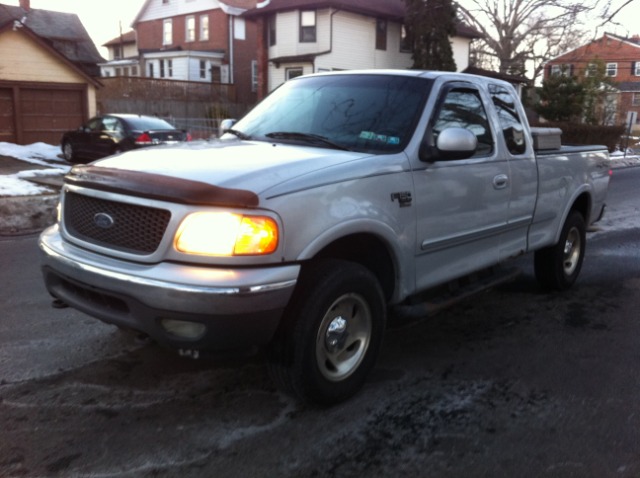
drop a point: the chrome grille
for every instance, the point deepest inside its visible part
(124, 227)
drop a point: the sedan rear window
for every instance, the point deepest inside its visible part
(148, 124)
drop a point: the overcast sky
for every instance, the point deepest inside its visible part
(102, 19)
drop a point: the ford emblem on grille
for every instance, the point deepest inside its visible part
(103, 220)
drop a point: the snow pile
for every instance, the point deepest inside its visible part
(37, 153)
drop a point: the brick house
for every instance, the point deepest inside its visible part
(621, 58)
(48, 74)
(199, 40)
(298, 37)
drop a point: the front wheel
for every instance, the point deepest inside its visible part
(331, 333)
(69, 152)
(557, 267)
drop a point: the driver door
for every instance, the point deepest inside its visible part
(462, 204)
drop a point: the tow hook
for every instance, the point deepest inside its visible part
(58, 304)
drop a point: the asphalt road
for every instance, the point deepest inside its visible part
(512, 382)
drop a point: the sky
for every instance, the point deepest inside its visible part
(102, 19)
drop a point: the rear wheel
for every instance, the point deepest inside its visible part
(557, 267)
(68, 152)
(331, 333)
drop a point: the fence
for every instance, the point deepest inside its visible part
(195, 106)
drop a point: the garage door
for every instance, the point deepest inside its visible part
(47, 113)
(7, 133)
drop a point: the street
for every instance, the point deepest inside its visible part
(512, 382)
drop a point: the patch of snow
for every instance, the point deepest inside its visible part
(14, 186)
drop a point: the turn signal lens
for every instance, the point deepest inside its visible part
(226, 234)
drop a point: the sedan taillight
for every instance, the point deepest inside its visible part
(144, 139)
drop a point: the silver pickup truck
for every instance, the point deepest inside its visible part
(341, 199)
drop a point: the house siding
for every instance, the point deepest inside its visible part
(157, 10)
(21, 59)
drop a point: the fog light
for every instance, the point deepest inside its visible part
(183, 328)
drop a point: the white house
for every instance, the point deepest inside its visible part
(297, 37)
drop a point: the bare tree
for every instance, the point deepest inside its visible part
(521, 33)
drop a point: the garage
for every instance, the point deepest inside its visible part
(31, 114)
(47, 113)
(7, 130)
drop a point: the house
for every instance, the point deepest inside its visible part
(621, 59)
(199, 40)
(122, 56)
(298, 37)
(48, 74)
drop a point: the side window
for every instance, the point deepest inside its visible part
(463, 108)
(510, 122)
(95, 125)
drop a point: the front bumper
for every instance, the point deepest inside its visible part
(238, 307)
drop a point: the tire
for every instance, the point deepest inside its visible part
(557, 267)
(331, 333)
(68, 152)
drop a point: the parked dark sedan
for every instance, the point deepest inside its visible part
(114, 133)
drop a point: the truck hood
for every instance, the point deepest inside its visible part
(247, 165)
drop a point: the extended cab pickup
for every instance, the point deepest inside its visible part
(340, 199)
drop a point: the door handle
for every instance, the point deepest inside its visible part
(500, 181)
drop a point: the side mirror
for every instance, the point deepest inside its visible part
(225, 125)
(452, 143)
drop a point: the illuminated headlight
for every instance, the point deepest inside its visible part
(226, 234)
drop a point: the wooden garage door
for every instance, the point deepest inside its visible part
(7, 132)
(47, 113)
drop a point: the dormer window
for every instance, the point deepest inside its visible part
(307, 26)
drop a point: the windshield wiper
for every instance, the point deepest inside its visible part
(307, 138)
(239, 134)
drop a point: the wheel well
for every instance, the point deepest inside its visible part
(369, 251)
(583, 205)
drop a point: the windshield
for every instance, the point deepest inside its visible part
(366, 113)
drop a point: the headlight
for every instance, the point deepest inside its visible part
(226, 234)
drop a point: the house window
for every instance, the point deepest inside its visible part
(170, 68)
(190, 28)
(167, 32)
(204, 27)
(591, 69)
(118, 72)
(272, 30)
(134, 71)
(635, 101)
(636, 68)
(161, 68)
(564, 70)
(117, 52)
(239, 29)
(612, 69)
(216, 74)
(405, 40)
(307, 26)
(254, 75)
(203, 69)
(151, 72)
(381, 34)
(291, 73)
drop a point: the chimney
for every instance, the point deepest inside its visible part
(25, 4)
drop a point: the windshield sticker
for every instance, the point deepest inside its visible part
(379, 138)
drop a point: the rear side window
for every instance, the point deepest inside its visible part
(148, 124)
(510, 121)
